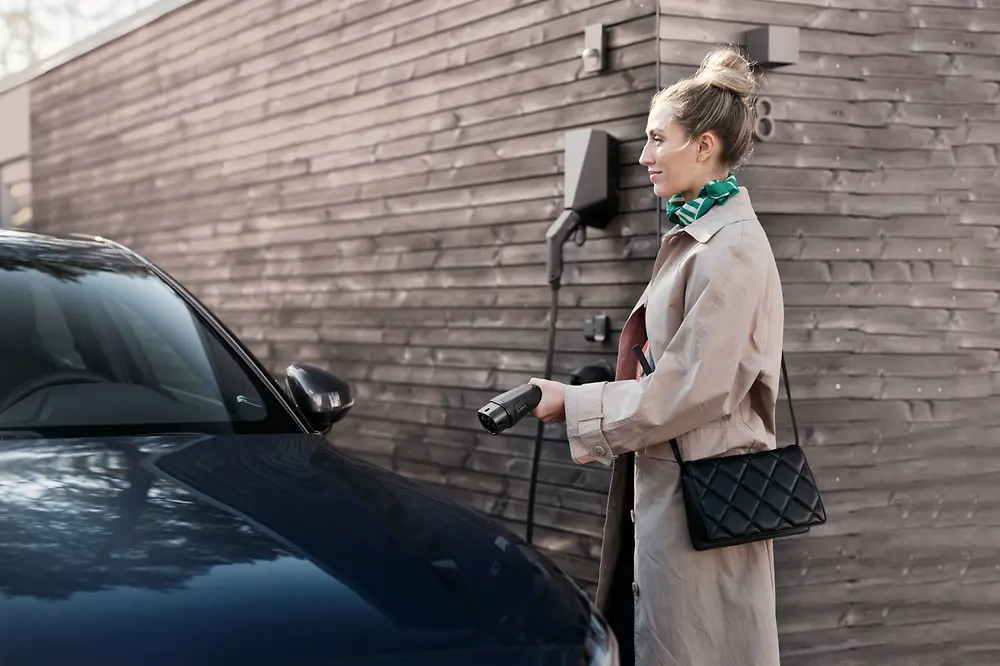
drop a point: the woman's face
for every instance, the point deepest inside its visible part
(676, 163)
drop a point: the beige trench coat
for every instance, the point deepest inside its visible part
(713, 315)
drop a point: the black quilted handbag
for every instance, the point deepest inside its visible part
(748, 497)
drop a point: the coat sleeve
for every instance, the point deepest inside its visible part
(703, 374)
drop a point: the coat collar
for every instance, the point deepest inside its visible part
(736, 209)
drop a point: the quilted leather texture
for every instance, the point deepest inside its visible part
(749, 497)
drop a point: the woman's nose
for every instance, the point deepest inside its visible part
(645, 159)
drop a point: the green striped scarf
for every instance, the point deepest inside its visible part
(715, 192)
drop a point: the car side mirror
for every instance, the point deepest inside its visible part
(321, 396)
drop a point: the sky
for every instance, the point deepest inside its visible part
(41, 28)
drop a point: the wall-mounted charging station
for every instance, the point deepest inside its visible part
(590, 191)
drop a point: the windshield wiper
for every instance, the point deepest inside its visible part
(247, 401)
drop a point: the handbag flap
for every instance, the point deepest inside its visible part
(755, 492)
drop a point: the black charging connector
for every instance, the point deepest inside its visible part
(505, 410)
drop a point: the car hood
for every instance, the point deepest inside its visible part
(262, 549)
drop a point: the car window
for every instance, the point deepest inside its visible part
(53, 333)
(170, 370)
(119, 350)
(194, 373)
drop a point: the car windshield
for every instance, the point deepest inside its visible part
(94, 343)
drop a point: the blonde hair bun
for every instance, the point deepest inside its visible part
(726, 68)
(718, 98)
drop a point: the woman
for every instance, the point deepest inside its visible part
(711, 319)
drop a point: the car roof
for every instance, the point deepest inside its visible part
(24, 248)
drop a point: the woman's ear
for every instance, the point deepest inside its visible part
(707, 146)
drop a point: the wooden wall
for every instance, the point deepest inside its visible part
(366, 185)
(881, 195)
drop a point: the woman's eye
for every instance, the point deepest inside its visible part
(656, 140)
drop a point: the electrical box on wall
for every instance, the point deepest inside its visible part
(773, 45)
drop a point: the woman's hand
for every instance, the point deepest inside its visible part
(551, 408)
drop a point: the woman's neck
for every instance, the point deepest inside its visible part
(693, 193)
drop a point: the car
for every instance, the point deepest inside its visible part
(164, 500)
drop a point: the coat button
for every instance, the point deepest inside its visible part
(635, 589)
(599, 450)
(632, 513)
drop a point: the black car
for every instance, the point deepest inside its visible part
(164, 501)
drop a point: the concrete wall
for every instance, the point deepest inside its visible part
(14, 116)
(15, 170)
(366, 185)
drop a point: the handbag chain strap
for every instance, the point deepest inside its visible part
(791, 410)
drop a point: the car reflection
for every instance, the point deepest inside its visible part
(156, 513)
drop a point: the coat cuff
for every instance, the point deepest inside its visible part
(584, 418)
